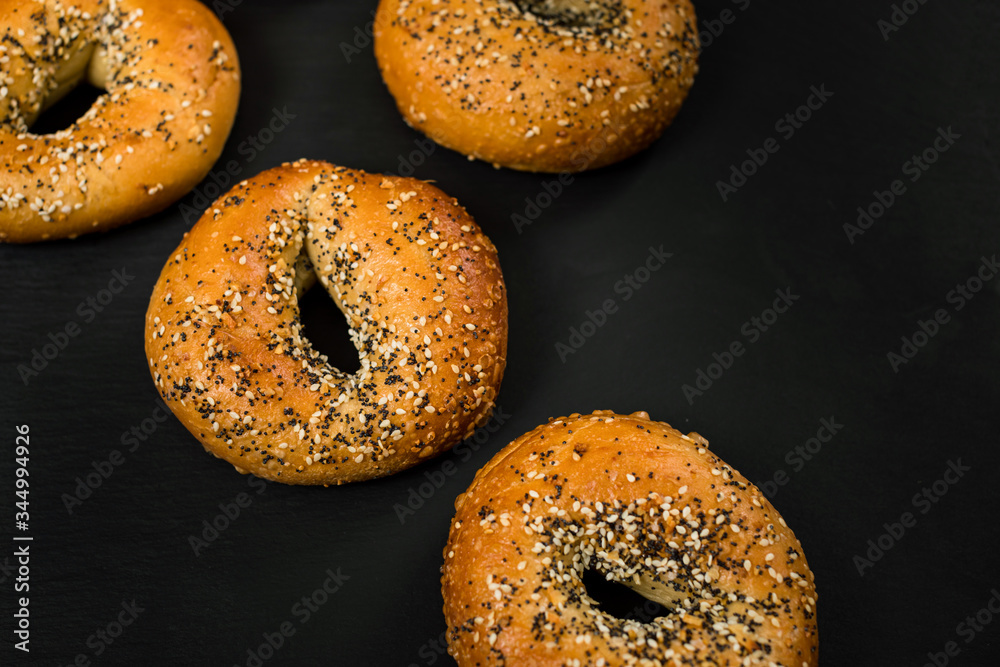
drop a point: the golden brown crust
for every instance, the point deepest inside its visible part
(172, 79)
(646, 506)
(534, 91)
(419, 284)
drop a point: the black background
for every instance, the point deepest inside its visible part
(826, 357)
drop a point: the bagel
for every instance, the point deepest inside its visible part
(171, 78)
(645, 506)
(419, 284)
(538, 85)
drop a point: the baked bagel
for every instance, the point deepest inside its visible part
(171, 77)
(419, 284)
(539, 85)
(647, 507)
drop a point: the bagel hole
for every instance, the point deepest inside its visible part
(65, 112)
(571, 13)
(620, 601)
(325, 327)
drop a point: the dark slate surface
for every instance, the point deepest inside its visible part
(898, 430)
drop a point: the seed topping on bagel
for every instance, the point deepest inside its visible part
(171, 81)
(541, 79)
(642, 505)
(416, 279)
